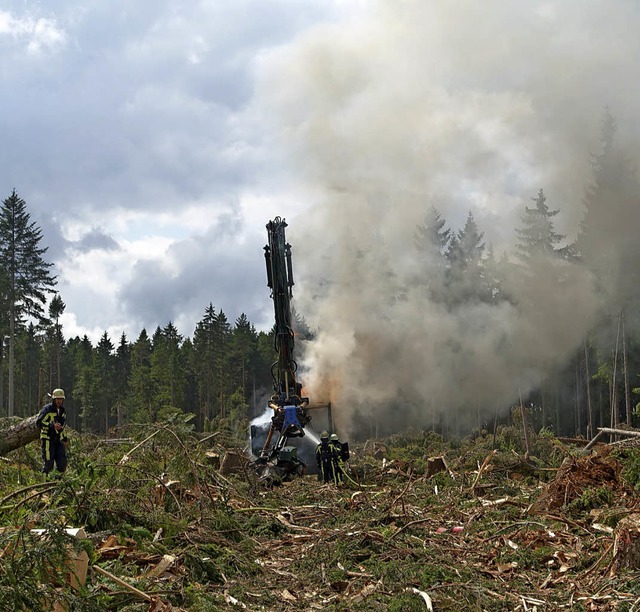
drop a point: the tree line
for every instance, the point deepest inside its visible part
(222, 374)
(598, 386)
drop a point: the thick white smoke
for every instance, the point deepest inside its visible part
(467, 106)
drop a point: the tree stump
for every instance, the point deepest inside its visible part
(435, 465)
(213, 459)
(233, 463)
(626, 545)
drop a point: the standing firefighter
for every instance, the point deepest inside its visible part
(52, 421)
(326, 458)
(340, 454)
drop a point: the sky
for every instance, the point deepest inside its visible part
(153, 141)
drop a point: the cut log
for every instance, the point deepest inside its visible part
(19, 435)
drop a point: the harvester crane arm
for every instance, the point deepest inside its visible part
(289, 407)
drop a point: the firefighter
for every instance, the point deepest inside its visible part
(52, 421)
(326, 459)
(340, 455)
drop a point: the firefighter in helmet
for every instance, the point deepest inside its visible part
(340, 455)
(325, 459)
(52, 421)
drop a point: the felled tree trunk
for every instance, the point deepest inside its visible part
(19, 435)
(626, 547)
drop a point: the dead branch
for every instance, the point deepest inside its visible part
(122, 583)
(45, 485)
(483, 467)
(127, 456)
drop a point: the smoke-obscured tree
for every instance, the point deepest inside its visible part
(28, 275)
(495, 272)
(431, 241)
(608, 246)
(465, 278)
(300, 326)
(432, 237)
(537, 236)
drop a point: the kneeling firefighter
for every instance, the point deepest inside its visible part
(52, 421)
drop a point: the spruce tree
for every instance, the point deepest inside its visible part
(431, 237)
(465, 280)
(431, 241)
(56, 308)
(608, 245)
(168, 371)
(105, 379)
(122, 373)
(537, 236)
(141, 385)
(28, 275)
(242, 348)
(607, 240)
(203, 363)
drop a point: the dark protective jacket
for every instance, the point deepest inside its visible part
(46, 419)
(342, 449)
(327, 460)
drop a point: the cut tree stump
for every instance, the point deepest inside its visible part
(436, 465)
(233, 463)
(626, 545)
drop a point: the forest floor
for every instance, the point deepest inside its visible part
(172, 523)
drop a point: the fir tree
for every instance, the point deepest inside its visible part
(431, 237)
(431, 241)
(141, 385)
(537, 237)
(28, 276)
(465, 279)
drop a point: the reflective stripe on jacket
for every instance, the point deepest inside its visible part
(46, 419)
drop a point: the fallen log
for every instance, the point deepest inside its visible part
(633, 433)
(19, 435)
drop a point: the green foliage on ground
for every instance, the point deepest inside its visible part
(465, 536)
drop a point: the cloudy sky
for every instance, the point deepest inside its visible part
(152, 142)
(134, 132)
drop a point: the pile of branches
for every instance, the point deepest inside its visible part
(176, 520)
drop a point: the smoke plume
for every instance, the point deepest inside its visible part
(465, 106)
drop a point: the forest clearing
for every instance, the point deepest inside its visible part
(177, 520)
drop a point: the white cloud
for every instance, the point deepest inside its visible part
(37, 34)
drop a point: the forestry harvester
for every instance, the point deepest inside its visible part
(290, 409)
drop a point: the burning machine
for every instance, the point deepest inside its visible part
(290, 414)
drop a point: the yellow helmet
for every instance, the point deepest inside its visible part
(57, 394)
(334, 437)
(324, 435)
